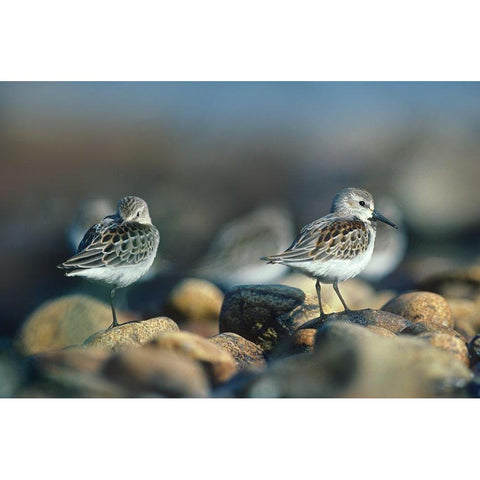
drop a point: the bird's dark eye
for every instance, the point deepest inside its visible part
(138, 213)
(362, 203)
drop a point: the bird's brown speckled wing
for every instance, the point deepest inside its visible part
(114, 244)
(324, 239)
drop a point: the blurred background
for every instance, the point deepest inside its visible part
(204, 154)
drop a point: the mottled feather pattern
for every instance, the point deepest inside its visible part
(114, 244)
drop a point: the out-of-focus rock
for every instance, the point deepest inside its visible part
(12, 371)
(453, 344)
(62, 322)
(245, 353)
(350, 361)
(421, 307)
(465, 328)
(265, 314)
(148, 371)
(70, 372)
(466, 314)
(375, 318)
(195, 299)
(132, 334)
(455, 283)
(204, 329)
(218, 362)
(79, 359)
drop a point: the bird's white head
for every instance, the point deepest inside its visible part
(134, 209)
(354, 202)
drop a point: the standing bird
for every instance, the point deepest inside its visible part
(337, 246)
(118, 250)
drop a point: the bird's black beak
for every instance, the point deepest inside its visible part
(378, 216)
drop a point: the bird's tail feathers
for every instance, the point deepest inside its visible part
(271, 259)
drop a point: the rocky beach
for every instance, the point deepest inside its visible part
(254, 341)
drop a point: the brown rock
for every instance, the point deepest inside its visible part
(131, 334)
(421, 307)
(148, 371)
(195, 299)
(450, 343)
(245, 353)
(62, 322)
(264, 314)
(219, 363)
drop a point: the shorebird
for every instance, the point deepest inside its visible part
(337, 246)
(232, 257)
(118, 250)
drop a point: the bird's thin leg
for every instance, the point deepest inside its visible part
(112, 298)
(318, 288)
(337, 291)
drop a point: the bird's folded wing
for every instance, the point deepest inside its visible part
(341, 239)
(116, 246)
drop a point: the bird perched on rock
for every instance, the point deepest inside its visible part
(337, 246)
(118, 250)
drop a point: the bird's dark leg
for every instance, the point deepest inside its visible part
(337, 291)
(112, 298)
(318, 288)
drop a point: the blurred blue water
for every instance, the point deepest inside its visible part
(249, 103)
